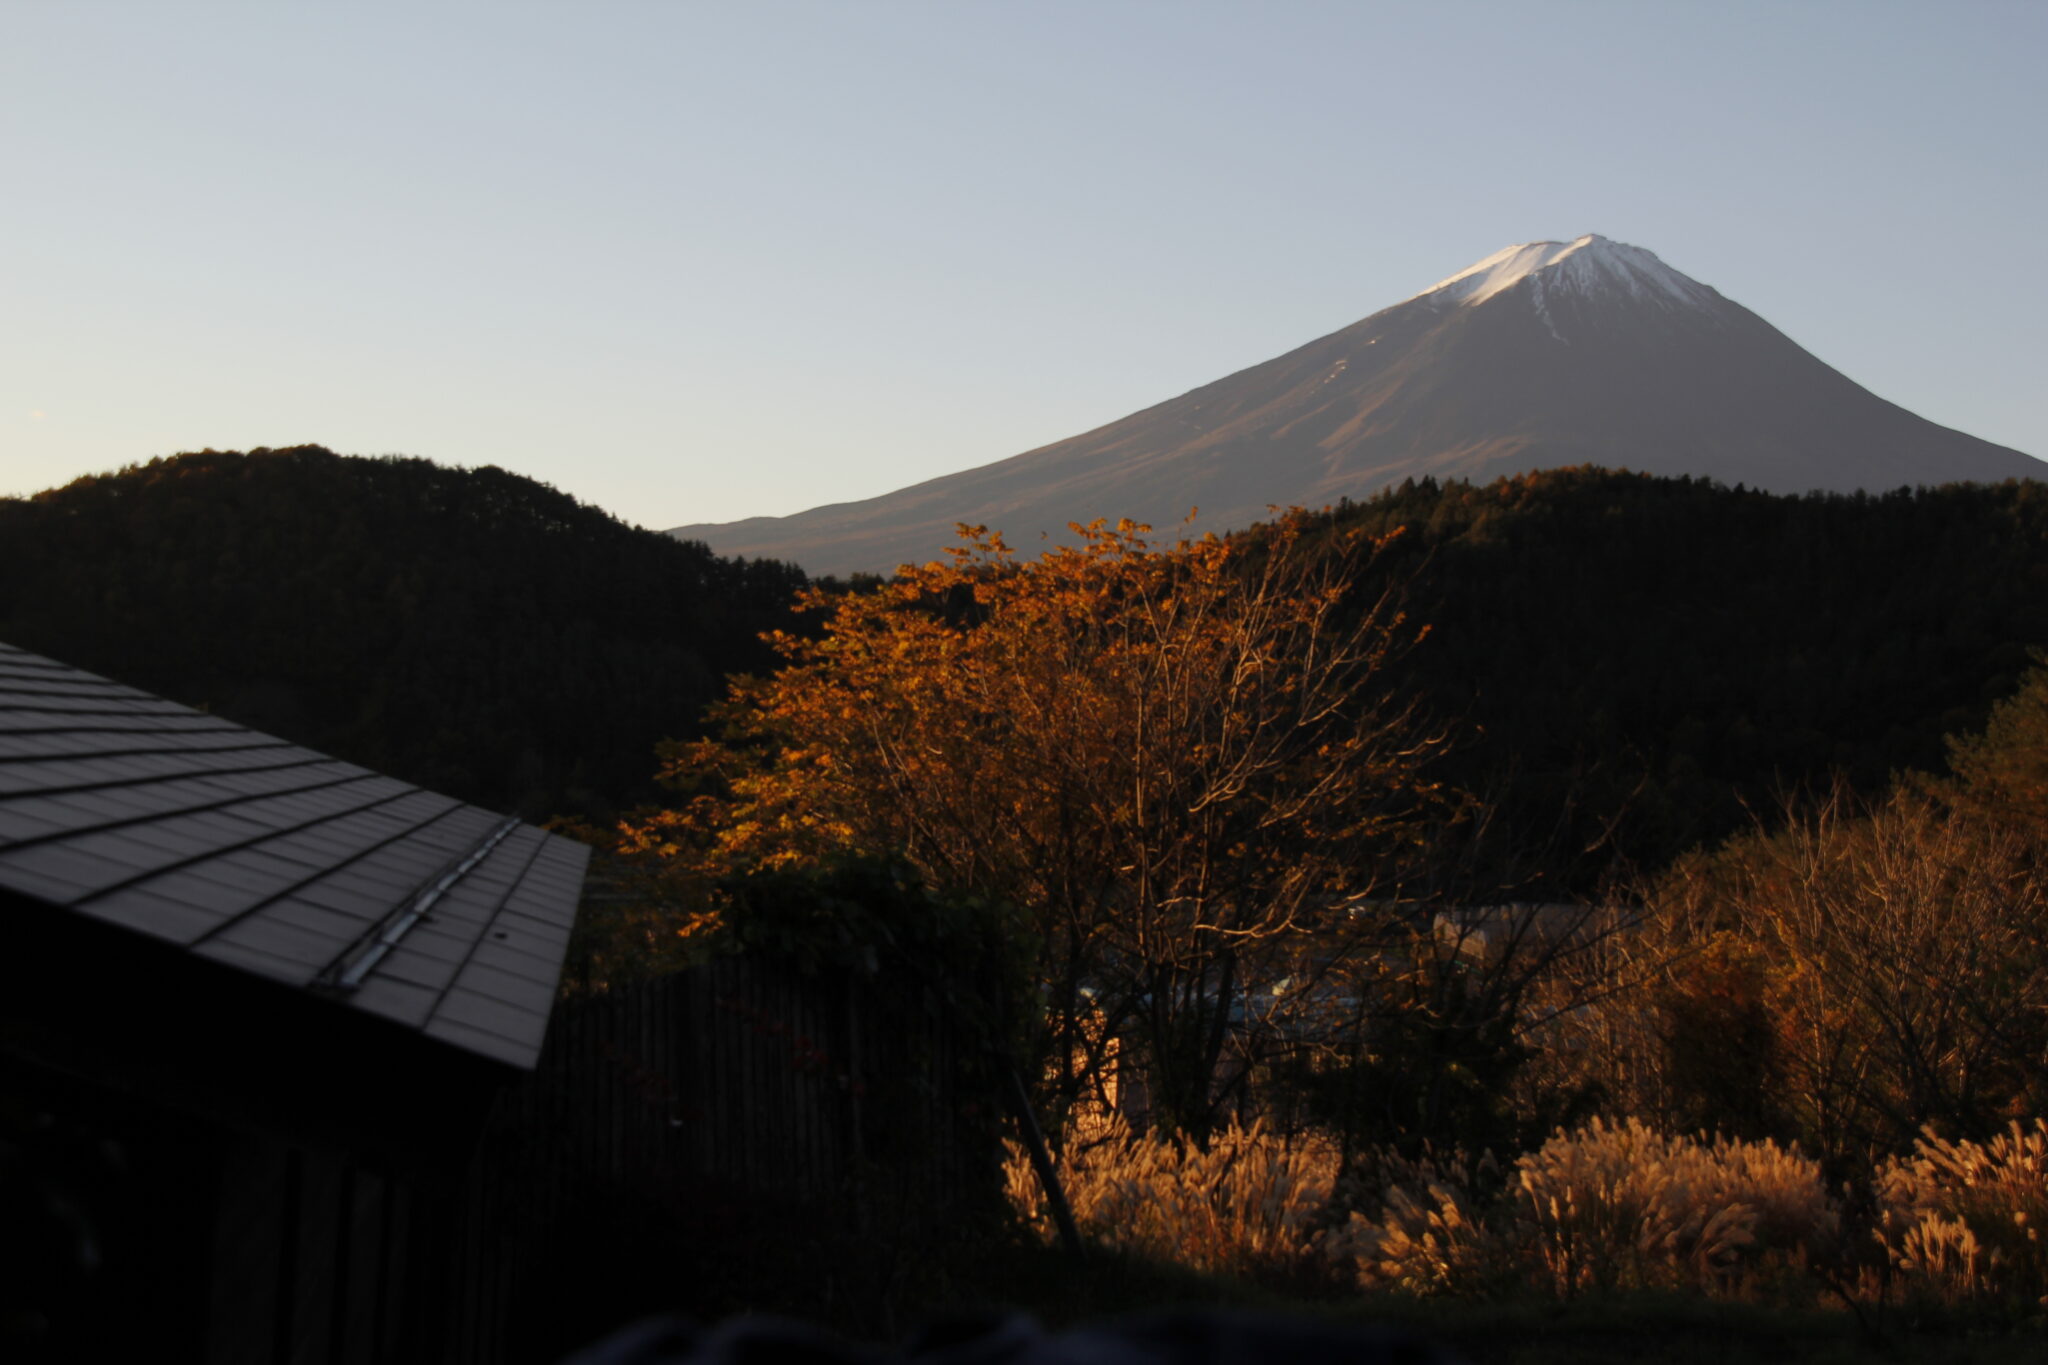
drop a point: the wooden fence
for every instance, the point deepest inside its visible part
(743, 1082)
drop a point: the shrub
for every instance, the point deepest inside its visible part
(1899, 974)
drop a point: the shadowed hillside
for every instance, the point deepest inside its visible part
(1607, 647)
(1672, 653)
(471, 630)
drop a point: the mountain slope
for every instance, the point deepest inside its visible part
(1634, 665)
(1624, 660)
(1543, 355)
(470, 630)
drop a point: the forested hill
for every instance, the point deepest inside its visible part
(470, 630)
(1607, 647)
(1662, 651)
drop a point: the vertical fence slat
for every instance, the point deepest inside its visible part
(740, 1074)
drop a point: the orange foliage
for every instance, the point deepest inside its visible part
(1168, 756)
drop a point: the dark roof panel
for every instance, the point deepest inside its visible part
(82, 873)
(197, 885)
(151, 911)
(272, 858)
(404, 1001)
(296, 910)
(252, 960)
(492, 1016)
(307, 951)
(538, 970)
(496, 985)
(482, 1041)
(433, 941)
(408, 964)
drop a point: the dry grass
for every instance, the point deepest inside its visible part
(1962, 1220)
(1603, 1208)
(1426, 1236)
(1248, 1205)
(1625, 1207)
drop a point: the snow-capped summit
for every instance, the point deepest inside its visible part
(1549, 353)
(1586, 263)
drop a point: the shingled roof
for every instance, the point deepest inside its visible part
(279, 861)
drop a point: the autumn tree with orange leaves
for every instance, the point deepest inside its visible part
(1187, 765)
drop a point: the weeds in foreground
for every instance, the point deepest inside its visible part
(1962, 1220)
(1249, 1204)
(1602, 1208)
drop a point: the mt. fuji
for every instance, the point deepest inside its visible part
(1541, 355)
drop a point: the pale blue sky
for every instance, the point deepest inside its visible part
(694, 262)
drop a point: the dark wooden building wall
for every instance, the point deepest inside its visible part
(741, 1092)
(313, 1260)
(741, 1082)
(752, 1073)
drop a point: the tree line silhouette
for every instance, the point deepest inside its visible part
(1630, 664)
(1638, 664)
(472, 630)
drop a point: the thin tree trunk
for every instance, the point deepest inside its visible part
(1041, 1161)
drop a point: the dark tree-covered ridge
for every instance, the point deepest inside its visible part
(1672, 654)
(469, 629)
(1661, 654)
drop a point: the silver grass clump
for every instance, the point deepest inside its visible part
(1248, 1204)
(1962, 1220)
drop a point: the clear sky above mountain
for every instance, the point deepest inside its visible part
(702, 262)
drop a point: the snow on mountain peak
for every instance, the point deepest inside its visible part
(1591, 263)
